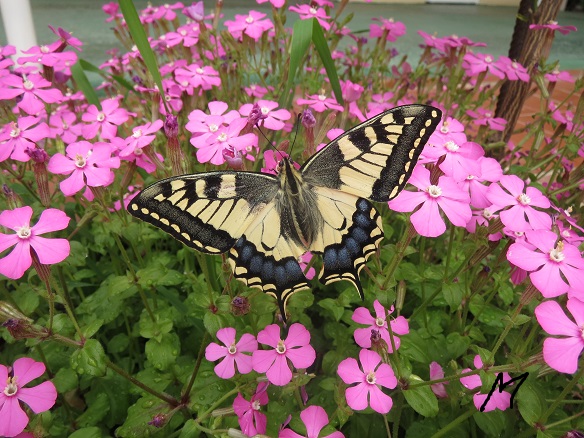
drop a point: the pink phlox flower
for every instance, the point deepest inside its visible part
(448, 129)
(196, 11)
(320, 102)
(554, 26)
(17, 137)
(399, 326)
(483, 217)
(553, 265)
(47, 55)
(433, 41)
(520, 216)
(138, 157)
(499, 399)
(87, 164)
(456, 41)
(27, 239)
(187, 36)
(475, 63)
(197, 76)
(202, 124)
(5, 59)
(562, 353)
(514, 70)
(128, 196)
(113, 10)
(232, 353)
(34, 91)
(275, 3)
(253, 25)
(104, 121)
(307, 12)
(446, 195)
(67, 38)
(379, 103)
(314, 418)
(567, 119)
(64, 125)
(369, 377)
(272, 118)
(170, 67)
(460, 161)
(351, 91)
(39, 398)
(331, 134)
(391, 28)
(172, 96)
(556, 75)
(436, 372)
(489, 171)
(251, 420)
(303, 261)
(166, 11)
(255, 90)
(295, 348)
(323, 3)
(142, 136)
(485, 117)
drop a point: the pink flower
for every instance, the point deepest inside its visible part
(251, 420)
(66, 38)
(211, 148)
(427, 221)
(436, 372)
(554, 26)
(272, 119)
(307, 12)
(521, 216)
(87, 163)
(475, 63)
(460, 160)
(275, 3)
(448, 130)
(27, 239)
(490, 171)
(499, 399)
(484, 117)
(304, 260)
(392, 29)
(369, 377)
(362, 336)
(196, 76)
(351, 91)
(17, 137)
(49, 55)
(546, 260)
(314, 418)
(255, 90)
(253, 25)
(232, 353)
(64, 126)
(142, 136)
(39, 398)
(320, 103)
(556, 75)
(514, 70)
(562, 353)
(105, 121)
(296, 348)
(33, 89)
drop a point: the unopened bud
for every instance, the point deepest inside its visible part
(240, 306)
(159, 420)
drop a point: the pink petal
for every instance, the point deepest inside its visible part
(427, 220)
(17, 262)
(537, 198)
(240, 405)
(384, 376)
(297, 336)
(302, 357)
(226, 335)
(289, 433)
(263, 359)
(369, 360)
(538, 220)
(363, 337)
(244, 363)
(8, 240)
(314, 418)
(51, 220)
(50, 251)
(470, 382)
(548, 281)
(246, 422)
(400, 326)
(226, 368)
(73, 184)
(380, 311)
(379, 401)
(407, 201)
(357, 396)
(514, 218)
(576, 308)
(554, 321)
(513, 184)
(279, 373)
(40, 398)
(525, 258)
(349, 371)
(459, 213)
(215, 351)
(98, 176)
(27, 369)
(60, 165)
(14, 419)
(247, 343)
(16, 218)
(270, 335)
(497, 196)
(260, 421)
(562, 354)
(362, 315)
(498, 400)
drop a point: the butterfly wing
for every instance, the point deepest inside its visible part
(375, 159)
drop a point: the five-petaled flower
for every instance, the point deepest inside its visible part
(369, 377)
(254, 24)
(33, 90)
(104, 121)
(251, 420)
(27, 239)
(498, 399)
(314, 418)
(274, 362)
(39, 398)
(231, 352)
(399, 326)
(562, 353)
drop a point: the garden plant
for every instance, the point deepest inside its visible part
(472, 322)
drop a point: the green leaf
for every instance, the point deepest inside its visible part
(453, 293)
(95, 411)
(65, 380)
(163, 353)
(141, 40)
(161, 324)
(492, 423)
(189, 430)
(90, 359)
(139, 414)
(333, 307)
(87, 432)
(530, 402)
(118, 344)
(84, 85)
(90, 329)
(421, 399)
(327, 61)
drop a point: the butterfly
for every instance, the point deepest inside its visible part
(267, 222)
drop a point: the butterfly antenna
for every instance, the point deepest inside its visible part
(298, 119)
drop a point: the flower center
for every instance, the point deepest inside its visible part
(28, 85)
(200, 70)
(469, 177)
(557, 254)
(487, 213)
(312, 11)
(371, 377)
(281, 348)
(444, 128)
(488, 59)
(321, 97)
(249, 19)
(138, 151)
(100, 116)
(15, 131)
(379, 322)
(222, 137)
(213, 127)
(44, 49)
(255, 405)
(514, 65)
(80, 161)
(23, 232)
(265, 110)
(232, 349)
(434, 191)
(11, 387)
(137, 133)
(523, 199)
(65, 125)
(451, 146)
(183, 32)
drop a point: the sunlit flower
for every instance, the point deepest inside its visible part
(320, 103)
(16, 137)
(307, 12)
(253, 25)
(231, 352)
(104, 121)
(33, 90)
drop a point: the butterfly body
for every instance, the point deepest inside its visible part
(267, 222)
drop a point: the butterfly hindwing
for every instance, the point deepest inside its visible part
(374, 159)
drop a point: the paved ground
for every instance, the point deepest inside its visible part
(492, 25)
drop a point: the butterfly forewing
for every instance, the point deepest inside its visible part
(374, 159)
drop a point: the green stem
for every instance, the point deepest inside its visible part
(454, 423)
(400, 247)
(189, 387)
(560, 398)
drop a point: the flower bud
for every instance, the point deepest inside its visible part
(240, 306)
(159, 420)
